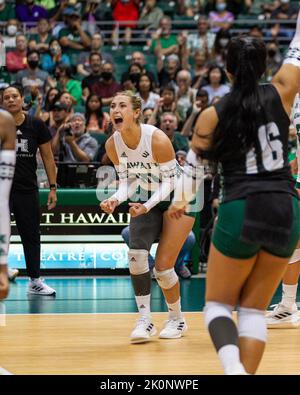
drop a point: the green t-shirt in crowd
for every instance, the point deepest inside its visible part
(4, 77)
(74, 88)
(73, 36)
(164, 42)
(180, 143)
(37, 39)
(7, 13)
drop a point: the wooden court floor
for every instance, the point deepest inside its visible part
(99, 344)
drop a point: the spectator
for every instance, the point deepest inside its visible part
(220, 18)
(135, 70)
(63, 73)
(17, 60)
(7, 11)
(97, 121)
(204, 40)
(95, 60)
(168, 124)
(68, 99)
(139, 57)
(221, 45)
(29, 12)
(9, 39)
(150, 16)
(32, 76)
(124, 10)
(216, 83)
(54, 57)
(73, 38)
(166, 103)
(167, 74)
(200, 69)
(57, 13)
(274, 59)
(185, 94)
(40, 41)
(145, 91)
(107, 86)
(147, 112)
(73, 143)
(239, 6)
(60, 117)
(44, 109)
(163, 42)
(200, 104)
(189, 8)
(285, 11)
(256, 32)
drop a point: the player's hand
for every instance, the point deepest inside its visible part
(175, 212)
(137, 209)
(109, 205)
(4, 285)
(294, 166)
(52, 199)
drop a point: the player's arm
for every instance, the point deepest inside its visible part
(287, 79)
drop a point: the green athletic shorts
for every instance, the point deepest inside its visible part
(226, 235)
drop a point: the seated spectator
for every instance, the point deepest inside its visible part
(180, 268)
(221, 46)
(134, 72)
(9, 36)
(17, 60)
(57, 13)
(44, 108)
(200, 104)
(124, 10)
(55, 57)
(32, 76)
(285, 11)
(274, 60)
(72, 143)
(95, 60)
(150, 16)
(189, 8)
(147, 112)
(145, 91)
(107, 86)
(200, 69)
(96, 120)
(256, 32)
(204, 40)
(29, 12)
(63, 74)
(216, 83)
(167, 72)
(73, 38)
(169, 124)
(185, 94)
(166, 103)
(163, 42)
(83, 65)
(220, 18)
(40, 41)
(60, 116)
(7, 11)
(138, 57)
(66, 98)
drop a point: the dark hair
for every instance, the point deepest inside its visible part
(136, 65)
(222, 33)
(237, 130)
(202, 92)
(99, 113)
(65, 68)
(149, 78)
(94, 53)
(32, 51)
(223, 74)
(16, 86)
(48, 105)
(167, 87)
(53, 40)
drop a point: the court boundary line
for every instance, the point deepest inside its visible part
(4, 372)
(153, 312)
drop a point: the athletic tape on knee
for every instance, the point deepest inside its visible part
(295, 257)
(166, 279)
(219, 322)
(252, 324)
(138, 262)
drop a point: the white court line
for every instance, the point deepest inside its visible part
(129, 313)
(4, 372)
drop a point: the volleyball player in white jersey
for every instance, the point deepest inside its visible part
(7, 166)
(285, 314)
(145, 160)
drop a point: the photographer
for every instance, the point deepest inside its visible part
(72, 143)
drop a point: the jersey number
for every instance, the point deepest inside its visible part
(271, 149)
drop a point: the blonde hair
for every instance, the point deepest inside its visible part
(135, 101)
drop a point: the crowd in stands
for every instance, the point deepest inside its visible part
(71, 57)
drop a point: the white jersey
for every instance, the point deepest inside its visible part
(295, 116)
(139, 162)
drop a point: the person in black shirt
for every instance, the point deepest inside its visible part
(32, 134)
(258, 226)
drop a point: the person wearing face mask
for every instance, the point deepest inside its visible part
(107, 86)
(73, 142)
(7, 11)
(9, 36)
(33, 76)
(50, 60)
(30, 12)
(220, 18)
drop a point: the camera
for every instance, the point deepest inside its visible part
(67, 130)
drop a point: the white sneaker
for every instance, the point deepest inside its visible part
(143, 331)
(283, 317)
(173, 329)
(12, 274)
(38, 287)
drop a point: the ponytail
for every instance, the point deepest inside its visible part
(237, 131)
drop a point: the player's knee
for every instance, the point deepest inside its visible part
(166, 278)
(138, 261)
(252, 323)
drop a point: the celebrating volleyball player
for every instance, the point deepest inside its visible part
(258, 219)
(7, 167)
(145, 161)
(285, 314)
